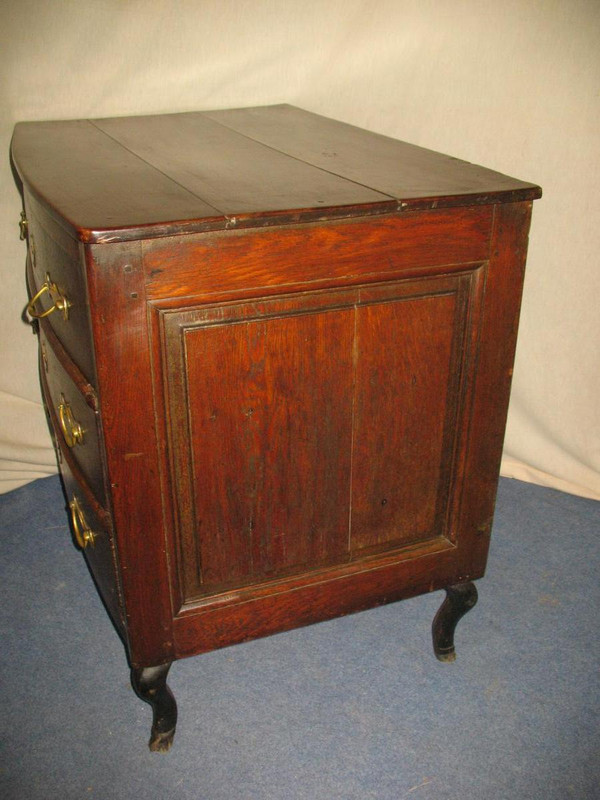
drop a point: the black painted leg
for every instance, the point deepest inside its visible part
(460, 598)
(150, 683)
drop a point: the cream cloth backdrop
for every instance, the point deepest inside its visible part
(512, 85)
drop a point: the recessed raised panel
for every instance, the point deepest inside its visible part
(402, 383)
(313, 429)
(270, 416)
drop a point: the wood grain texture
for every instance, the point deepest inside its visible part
(53, 252)
(313, 598)
(402, 395)
(132, 178)
(62, 388)
(102, 558)
(91, 183)
(183, 470)
(371, 159)
(335, 403)
(498, 336)
(125, 393)
(290, 346)
(231, 172)
(271, 455)
(300, 374)
(315, 254)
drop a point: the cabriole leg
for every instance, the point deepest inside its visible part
(460, 598)
(150, 684)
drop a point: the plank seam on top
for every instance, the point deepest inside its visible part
(524, 186)
(384, 197)
(302, 160)
(160, 171)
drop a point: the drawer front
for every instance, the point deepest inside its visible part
(75, 421)
(91, 529)
(56, 263)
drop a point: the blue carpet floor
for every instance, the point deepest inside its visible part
(349, 709)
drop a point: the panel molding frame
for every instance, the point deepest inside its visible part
(168, 326)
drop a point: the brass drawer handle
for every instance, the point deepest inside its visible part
(23, 226)
(71, 429)
(59, 301)
(84, 535)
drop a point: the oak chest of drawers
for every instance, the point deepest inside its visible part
(276, 354)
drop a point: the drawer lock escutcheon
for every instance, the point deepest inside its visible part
(59, 301)
(44, 354)
(71, 429)
(84, 535)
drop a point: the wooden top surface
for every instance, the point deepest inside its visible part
(128, 178)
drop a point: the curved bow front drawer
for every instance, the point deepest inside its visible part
(92, 533)
(58, 284)
(75, 420)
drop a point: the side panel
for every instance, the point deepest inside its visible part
(470, 475)
(314, 430)
(244, 347)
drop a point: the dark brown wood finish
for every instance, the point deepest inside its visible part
(271, 477)
(290, 345)
(90, 183)
(180, 176)
(459, 600)
(498, 337)
(71, 409)
(315, 255)
(426, 178)
(323, 446)
(101, 556)
(124, 376)
(231, 172)
(52, 252)
(402, 384)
